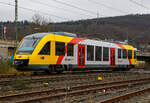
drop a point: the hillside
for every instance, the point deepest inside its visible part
(136, 26)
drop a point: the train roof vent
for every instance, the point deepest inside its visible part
(65, 34)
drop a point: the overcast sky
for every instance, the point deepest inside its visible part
(64, 10)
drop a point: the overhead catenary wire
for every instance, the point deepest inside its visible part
(81, 9)
(51, 6)
(95, 12)
(141, 5)
(33, 10)
(109, 7)
(72, 5)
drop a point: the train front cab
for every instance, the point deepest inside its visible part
(42, 55)
(131, 56)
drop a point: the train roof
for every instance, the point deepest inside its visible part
(41, 35)
(82, 41)
(105, 44)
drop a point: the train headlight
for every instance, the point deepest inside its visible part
(21, 62)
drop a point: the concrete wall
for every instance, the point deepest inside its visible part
(7, 42)
(7, 48)
(4, 52)
(7, 52)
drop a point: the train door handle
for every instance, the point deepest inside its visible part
(42, 57)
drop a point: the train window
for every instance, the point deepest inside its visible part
(46, 49)
(98, 53)
(134, 55)
(90, 53)
(124, 54)
(70, 49)
(129, 54)
(105, 54)
(119, 53)
(60, 48)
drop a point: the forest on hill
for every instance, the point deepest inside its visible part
(134, 27)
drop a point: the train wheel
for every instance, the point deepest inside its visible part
(59, 70)
(47, 71)
(126, 69)
(115, 69)
(35, 73)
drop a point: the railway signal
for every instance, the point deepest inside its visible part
(4, 32)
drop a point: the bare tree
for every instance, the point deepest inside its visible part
(40, 24)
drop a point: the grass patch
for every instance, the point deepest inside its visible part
(6, 67)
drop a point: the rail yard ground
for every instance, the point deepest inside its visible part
(75, 87)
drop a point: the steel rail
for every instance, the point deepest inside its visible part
(126, 96)
(51, 79)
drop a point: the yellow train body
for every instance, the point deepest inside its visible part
(48, 59)
(133, 60)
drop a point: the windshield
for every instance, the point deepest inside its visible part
(28, 43)
(27, 46)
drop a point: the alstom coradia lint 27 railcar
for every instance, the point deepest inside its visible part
(58, 51)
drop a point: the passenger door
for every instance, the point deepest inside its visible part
(112, 57)
(81, 55)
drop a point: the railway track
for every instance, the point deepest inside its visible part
(126, 96)
(53, 77)
(61, 93)
(50, 74)
(66, 73)
(36, 82)
(48, 78)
